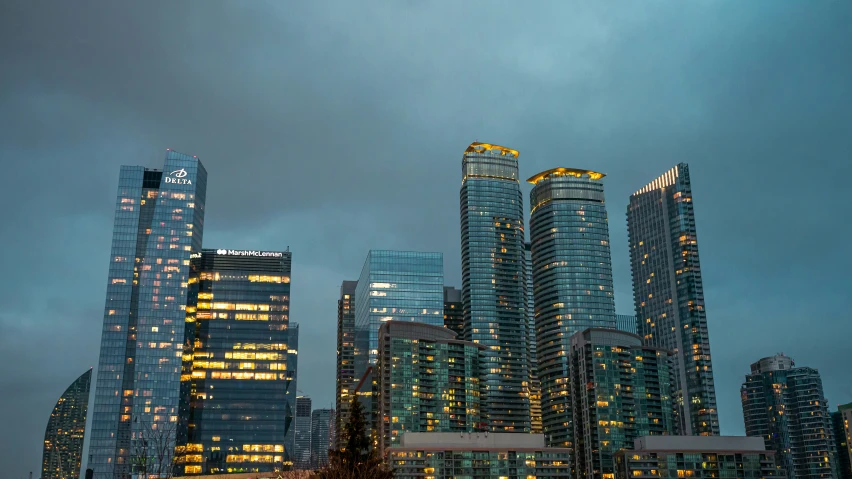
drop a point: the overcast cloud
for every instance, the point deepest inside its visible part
(333, 127)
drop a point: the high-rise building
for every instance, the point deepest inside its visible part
(302, 455)
(345, 352)
(668, 293)
(427, 380)
(449, 455)
(785, 405)
(493, 286)
(235, 407)
(678, 456)
(322, 427)
(843, 438)
(572, 281)
(159, 222)
(65, 432)
(393, 286)
(453, 310)
(535, 384)
(292, 391)
(620, 390)
(626, 323)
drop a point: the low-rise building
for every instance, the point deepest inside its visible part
(696, 456)
(444, 455)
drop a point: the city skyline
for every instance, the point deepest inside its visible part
(721, 89)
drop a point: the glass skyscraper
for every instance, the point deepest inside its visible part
(66, 429)
(292, 390)
(345, 352)
(453, 310)
(535, 384)
(493, 282)
(668, 293)
(785, 405)
(159, 221)
(572, 281)
(322, 427)
(626, 323)
(302, 456)
(236, 402)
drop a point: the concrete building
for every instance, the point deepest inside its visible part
(446, 455)
(785, 405)
(695, 456)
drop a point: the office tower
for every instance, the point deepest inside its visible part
(619, 390)
(453, 310)
(535, 384)
(302, 455)
(322, 425)
(427, 380)
(66, 428)
(235, 412)
(572, 280)
(345, 352)
(785, 405)
(668, 294)
(679, 456)
(394, 285)
(159, 221)
(843, 438)
(626, 323)
(449, 455)
(292, 391)
(492, 246)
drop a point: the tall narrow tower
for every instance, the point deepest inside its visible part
(63, 437)
(493, 280)
(669, 295)
(572, 281)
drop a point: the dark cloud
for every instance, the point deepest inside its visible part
(336, 127)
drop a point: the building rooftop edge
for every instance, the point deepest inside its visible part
(556, 172)
(479, 147)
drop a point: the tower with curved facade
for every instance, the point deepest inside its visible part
(493, 280)
(66, 428)
(572, 281)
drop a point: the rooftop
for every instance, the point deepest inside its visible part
(556, 172)
(477, 147)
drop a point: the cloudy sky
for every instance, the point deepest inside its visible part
(335, 127)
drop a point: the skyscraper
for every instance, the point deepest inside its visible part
(493, 286)
(65, 431)
(292, 391)
(302, 456)
(428, 380)
(345, 352)
(159, 222)
(235, 407)
(668, 293)
(322, 426)
(620, 391)
(572, 281)
(535, 384)
(785, 405)
(453, 310)
(626, 323)
(842, 419)
(399, 286)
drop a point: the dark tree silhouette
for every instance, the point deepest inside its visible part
(355, 458)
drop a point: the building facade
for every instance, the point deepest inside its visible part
(322, 429)
(159, 223)
(428, 380)
(572, 281)
(493, 285)
(303, 425)
(785, 405)
(626, 323)
(620, 390)
(345, 352)
(235, 410)
(292, 391)
(843, 438)
(535, 384)
(66, 430)
(674, 457)
(668, 293)
(477, 456)
(453, 310)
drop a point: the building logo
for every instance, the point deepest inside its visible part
(260, 254)
(178, 177)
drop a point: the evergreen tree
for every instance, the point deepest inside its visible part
(355, 459)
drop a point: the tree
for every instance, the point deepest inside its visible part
(153, 450)
(355, 459)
